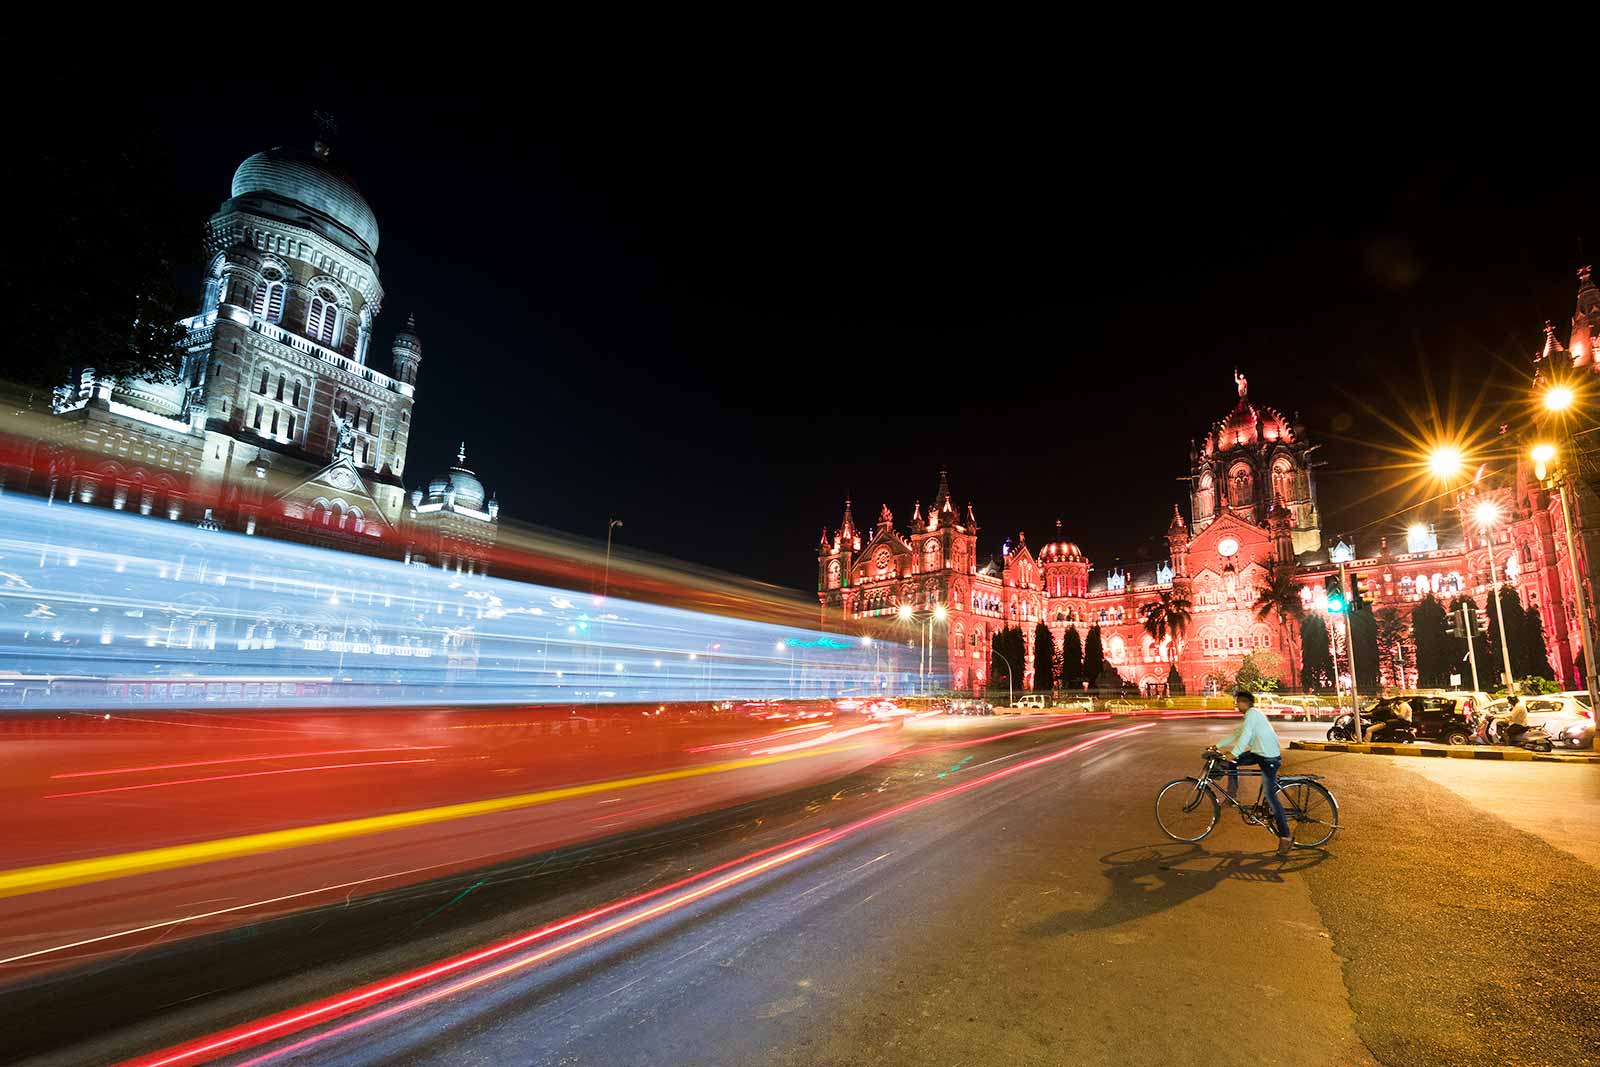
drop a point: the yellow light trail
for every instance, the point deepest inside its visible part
(47, 876)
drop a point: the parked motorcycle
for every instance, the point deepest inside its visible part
(1343, 728)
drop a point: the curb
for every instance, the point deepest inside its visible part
(1508, 755)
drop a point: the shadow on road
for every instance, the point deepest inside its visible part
(1150, 878)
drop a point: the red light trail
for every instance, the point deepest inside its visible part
(286, 1023)
(233, 777)
(247, 759)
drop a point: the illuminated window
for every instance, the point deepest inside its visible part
(268, 303)
(323, 316)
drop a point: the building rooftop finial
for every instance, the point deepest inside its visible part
(327, 131)
(461, 456)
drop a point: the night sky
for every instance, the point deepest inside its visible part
(715, 318)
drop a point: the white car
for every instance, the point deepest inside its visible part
(1075, 704)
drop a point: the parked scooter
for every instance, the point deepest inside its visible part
(1343, 728)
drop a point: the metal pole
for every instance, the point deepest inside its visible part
(1499, 614)
(605, 585)
(1468, 625)
(1350, 646)
(1011, 693)
(1583, 613)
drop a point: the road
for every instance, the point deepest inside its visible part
(973, 899)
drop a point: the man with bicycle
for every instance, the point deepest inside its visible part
(1255, 744)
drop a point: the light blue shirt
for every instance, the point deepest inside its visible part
(1255, 734)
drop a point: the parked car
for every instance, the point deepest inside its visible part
(1443, 717)
(1032, 700)
(1568, 722)
(1075, 704)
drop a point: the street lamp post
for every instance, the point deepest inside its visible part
(1011, 693)
(1488, 514)
(605, 584)
(925, 628)
(1543, 455)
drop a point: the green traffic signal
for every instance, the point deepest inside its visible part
(1334, 592)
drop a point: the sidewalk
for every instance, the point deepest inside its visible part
(1429, 748)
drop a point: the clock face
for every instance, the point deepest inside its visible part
(1227, 546)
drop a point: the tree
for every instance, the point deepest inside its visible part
(1515, 632)
(1094, 657)
(1535, 662)
(1316, 654)
(1392, 656)
(1174, 682)
(1006, 653)
(1258, 673)
(1071, 659)
(1168, 617)
(1278, 597)
(1044, 659)
(91, 274)
(1364, 636)
(1435, 650)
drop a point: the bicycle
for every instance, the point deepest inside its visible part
(1187, 809)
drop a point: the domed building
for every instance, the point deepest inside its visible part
(450, 524)
(277, 419)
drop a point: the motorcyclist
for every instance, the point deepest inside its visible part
(1508, 726)
(1402, 711)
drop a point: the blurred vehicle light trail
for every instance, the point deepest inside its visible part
(233, 777)
(284, 1024)
(247, 759)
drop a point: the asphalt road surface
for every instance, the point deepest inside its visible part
(973, 900)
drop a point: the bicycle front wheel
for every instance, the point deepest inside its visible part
(1186, 810)
(1312, 811)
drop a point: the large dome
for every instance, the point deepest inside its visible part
(469, 491)
(306, 178)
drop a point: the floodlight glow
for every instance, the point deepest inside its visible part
(905, 611)
(1486, 513)
(1558, 398)
(1446, 461)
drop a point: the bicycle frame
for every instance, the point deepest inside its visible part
(1219, 769)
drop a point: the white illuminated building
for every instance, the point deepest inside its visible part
(450, 524)
(277, 423)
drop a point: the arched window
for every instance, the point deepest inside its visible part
(1205, 498)
(322, 319)
(1283, 487)
(296, 400)
(280, 388)
(1240, 486)
(261, 387)
(268, 303)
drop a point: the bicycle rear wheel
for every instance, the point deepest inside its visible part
(1312, 811)
(1185, 810)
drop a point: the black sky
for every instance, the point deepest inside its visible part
(716, 321)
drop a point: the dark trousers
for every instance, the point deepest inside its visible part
(1269, 784)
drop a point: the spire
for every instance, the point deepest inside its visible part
(941, 501)
(823, 544)
(885, 518)
(1551, 345)
(411, 322)
(1176, 526)
(916, 514)
(1585, 320)
(847, 525)
(461, 455)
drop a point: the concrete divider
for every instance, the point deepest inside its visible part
(1423, 748)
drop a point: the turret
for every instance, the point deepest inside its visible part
(1178, 544)
(1585, 321)
(407, 352)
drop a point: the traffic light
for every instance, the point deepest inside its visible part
(1452, 622)
(1358, 593)
(1335, 594)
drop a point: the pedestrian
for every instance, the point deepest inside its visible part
(1255, 744)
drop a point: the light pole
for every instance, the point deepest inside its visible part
(1342, 554)
(1011, 693)
(1543, 456)
(925, 626)
(1488, 514)
(605, 585)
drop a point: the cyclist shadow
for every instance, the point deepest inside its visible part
(1151, 878)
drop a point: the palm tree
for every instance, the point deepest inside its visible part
(1278, 597)
(1168, 616)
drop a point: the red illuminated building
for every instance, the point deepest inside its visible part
(1252, 500)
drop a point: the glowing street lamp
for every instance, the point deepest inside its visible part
(1558, 398)
(1543, 456)
(1446, 462)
